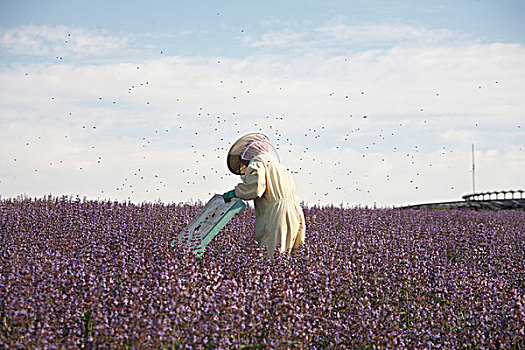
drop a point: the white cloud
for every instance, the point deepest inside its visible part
(60, 41)
(423, 105)
(340, 36)
(385, 33)
(281, 39)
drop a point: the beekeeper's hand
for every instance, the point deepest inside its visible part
(228, 196)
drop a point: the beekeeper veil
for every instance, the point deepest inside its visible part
(247, 147)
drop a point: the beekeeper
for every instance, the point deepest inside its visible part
(279, 218)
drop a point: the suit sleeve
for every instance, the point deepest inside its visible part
(253, 182)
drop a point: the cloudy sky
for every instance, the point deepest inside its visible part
(368, 102)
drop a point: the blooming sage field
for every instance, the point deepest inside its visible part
(99, 274)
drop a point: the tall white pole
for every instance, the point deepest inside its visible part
(473, 173)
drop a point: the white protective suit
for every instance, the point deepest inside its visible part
(279, 218)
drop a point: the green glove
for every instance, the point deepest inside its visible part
(228, 196)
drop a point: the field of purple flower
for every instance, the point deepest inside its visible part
(90, 274)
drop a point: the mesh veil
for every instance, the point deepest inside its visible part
(247, 147)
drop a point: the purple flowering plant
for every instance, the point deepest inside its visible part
(99, 274)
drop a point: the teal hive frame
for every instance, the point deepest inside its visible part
(207, 223)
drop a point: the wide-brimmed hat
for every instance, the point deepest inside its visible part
(247, 147)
